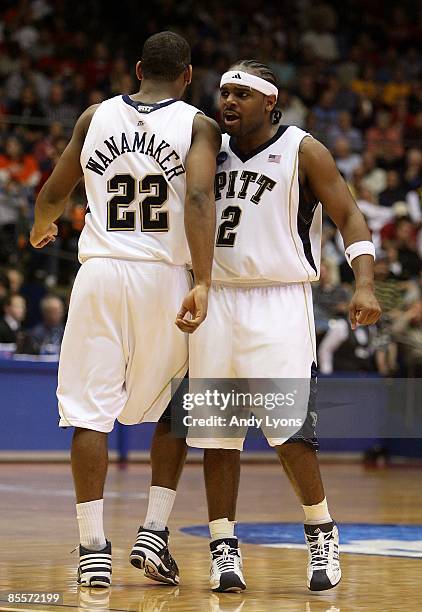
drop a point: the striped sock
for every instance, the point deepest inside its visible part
(90, 521)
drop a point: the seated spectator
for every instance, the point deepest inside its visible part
(384, 139)
(28, 108)
(343, 349)
(405, 243)
(17, 165)
(366, 85)
(13, 207)
(345, 129)
(413, 171)
(320, 39)
(294, 112)
(394, 191)
(16, 280)
(346, 161)
(407, 331)
(330, 300)
(57, 109)
(374, 178)
(325, 113)
(397, 88)
(46, 338)
(14, 309)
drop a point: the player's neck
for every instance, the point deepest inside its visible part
(250, 142)
(155, 92)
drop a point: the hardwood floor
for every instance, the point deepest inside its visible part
(38, 530)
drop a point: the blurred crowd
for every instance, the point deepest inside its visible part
(349, 73)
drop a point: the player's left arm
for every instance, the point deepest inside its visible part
(51, 200)
(318, 170)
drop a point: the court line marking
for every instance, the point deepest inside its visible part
(64, 492)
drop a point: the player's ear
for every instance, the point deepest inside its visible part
(270, 103)
(188, 74)
(138, 70)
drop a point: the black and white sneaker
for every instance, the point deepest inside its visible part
(150, 553)
(94, 569)
(226, 566)
(323, 556)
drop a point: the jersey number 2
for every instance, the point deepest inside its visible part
(152, 219)
(225, 236)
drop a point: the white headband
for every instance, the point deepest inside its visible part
(249, 80)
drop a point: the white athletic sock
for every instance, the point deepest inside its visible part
(221, 528)
(160, 505)
(90, 521)
(317, 514)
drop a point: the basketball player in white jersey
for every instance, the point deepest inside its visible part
(270, 184)
(148, 161)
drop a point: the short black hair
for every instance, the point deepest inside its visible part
(265, 72)
(165, 56)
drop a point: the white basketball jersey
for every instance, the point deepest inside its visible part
(266, 233)
(133, 160)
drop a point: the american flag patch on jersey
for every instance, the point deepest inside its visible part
(274, 158)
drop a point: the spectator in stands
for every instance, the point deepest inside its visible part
(4, 288)
(345, 350)
(46, 338)
(14, 309)
(16, 279)
(320, 39)
(405, 243)
(407, 331)
(346, 161)
(294, 111)
(344, 129)
(13, 206)
(18, 166)
(325, 113)
(57, 109)
(384, 139)
(413, 170)
(29, 111)
(330, 300)
(374, 178)
(394, 190)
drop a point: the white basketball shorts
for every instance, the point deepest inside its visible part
(121, 347)
(254, 333)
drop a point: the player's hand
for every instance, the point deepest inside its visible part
(39, 238)
(364, 308)
(195, 304)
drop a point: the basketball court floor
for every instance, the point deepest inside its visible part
(378, 512)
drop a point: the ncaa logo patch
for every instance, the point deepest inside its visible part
(356, 538)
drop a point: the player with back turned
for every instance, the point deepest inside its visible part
(148, 161)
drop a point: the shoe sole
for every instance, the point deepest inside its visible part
(152, 568)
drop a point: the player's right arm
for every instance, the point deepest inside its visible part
(51, 200)
(200, 217)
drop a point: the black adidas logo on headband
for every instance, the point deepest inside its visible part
(237, 76)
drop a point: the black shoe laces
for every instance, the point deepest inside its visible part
(225, 556)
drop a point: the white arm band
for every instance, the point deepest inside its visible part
(363, 247)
